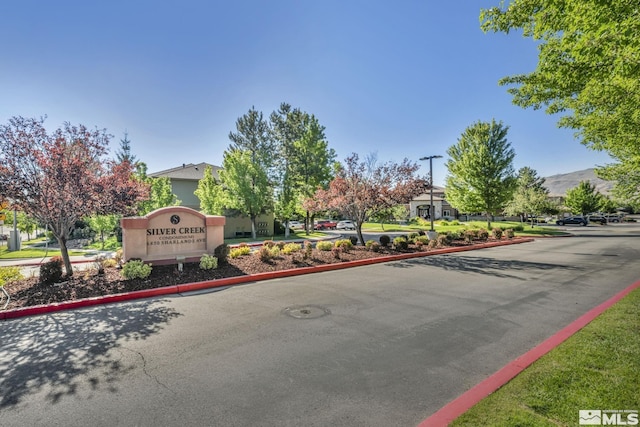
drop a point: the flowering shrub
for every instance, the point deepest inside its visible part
(324, 246)
(240, 251)
(290, 248)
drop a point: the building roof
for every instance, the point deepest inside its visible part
(438, 194)
(190, 172)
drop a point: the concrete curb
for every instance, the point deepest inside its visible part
(464, 402)
(231, 281)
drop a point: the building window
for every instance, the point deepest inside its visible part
(446, 213)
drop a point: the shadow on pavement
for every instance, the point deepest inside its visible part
(481, 265)
(56, 352)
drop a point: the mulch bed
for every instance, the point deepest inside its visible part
(85, 284)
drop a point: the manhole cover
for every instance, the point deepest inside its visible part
(306, 311)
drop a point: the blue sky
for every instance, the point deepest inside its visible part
(402, 78)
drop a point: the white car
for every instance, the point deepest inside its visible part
(296, 225)
(346, 225)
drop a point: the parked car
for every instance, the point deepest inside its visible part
(346, 225)
(597, 218)
(325, 225)
(613, 218)
(296, 225)
(572, 220)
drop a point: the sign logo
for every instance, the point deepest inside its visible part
(174, 219)
(597, 417)
(590, 417)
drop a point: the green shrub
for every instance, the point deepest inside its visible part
(51, 271)
(422, 239)
(385, 240)
(444, 222)
(497, 233)
(239, 251)
(324, 246)
(482, 234)
(208, 262)
(221, 252)
(345, 244)
(401, 243)
(455, 222)
(469, 235)
(518, 227)
(266, 253)
(9, 274)
(413, 236)
(444, 240)
(372, 246)
(434, 243)
(354, 240)
(136, 269)
(419, 244)
(290, 248)
(509, 233)
(454, 235)
(280, 244)
(422, 233)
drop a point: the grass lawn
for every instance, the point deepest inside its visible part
(28, 252)
(298, 235)
(597, 368)
(438, 226)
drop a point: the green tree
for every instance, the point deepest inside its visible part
(481, 176)
(587, 71)
(583, 198)
(530, 197)
(305, 159)
(211, 194)
(247, 185)
(160, 194)
(24, 222)
(253, 136)
(103, 224)
(124, 154)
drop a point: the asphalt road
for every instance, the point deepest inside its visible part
(383, 345)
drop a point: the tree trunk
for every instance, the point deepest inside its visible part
(359, 232)
(253, 227)
(286, 229)
(307, 224)
(488, 221)
(62, 241)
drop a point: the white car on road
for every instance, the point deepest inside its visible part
(346, 225)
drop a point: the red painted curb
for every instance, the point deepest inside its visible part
(452, 410)
(230, 281)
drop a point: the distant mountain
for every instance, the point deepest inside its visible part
(559, 184)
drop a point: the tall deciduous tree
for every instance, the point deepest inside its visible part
(211, 194)
(247, 185)
(530, 197)
(584, 198)
(365, 188)
(587, 70)
(62, 177)
(481, 176)
(160, 191)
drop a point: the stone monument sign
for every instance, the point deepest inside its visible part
(170, 234)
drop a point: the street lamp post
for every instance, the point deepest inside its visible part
(431, 207)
